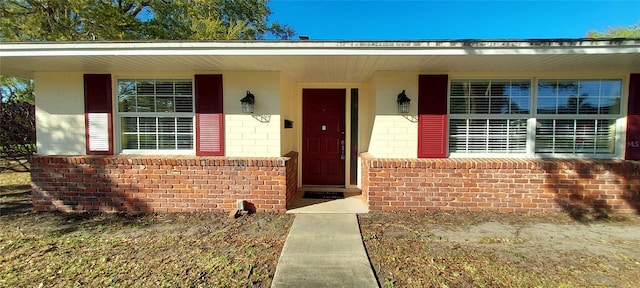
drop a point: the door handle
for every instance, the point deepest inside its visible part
(342, 156)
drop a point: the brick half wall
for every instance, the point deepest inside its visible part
(503, 185)
(292, 175)
(160, 183)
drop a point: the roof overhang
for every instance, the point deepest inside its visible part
(324, 61)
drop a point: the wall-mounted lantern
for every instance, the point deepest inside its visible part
(247, 102)
(404, 103)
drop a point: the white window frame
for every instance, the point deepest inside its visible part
(617, 119)
(119, 115)
(524, 117)
(533, 116)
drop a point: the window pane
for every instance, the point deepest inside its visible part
(459, 105)
(588, 97)
(164, 104)
(166, 141)
(183, 87)
(517, 139)
(457, 135)
(490, 96)
(477, 135)
(185, 125)
(148, 141)
(127, 87)
(497, 136)
(605, 136)
(479, 105)
(167, 125)
(585, 136)
(146, 104)
(126, 103)
(185, 141)
(149, 100)
(147, 124)
(488, 135)
(520, 97)
(589, 87)
(547, 88)
(610, 105)
(164, 87)
(184, 104)
(145, 87)
(611, 88)
(129, 141)
(129, 124)
(519, 105)
(502, 97)
(588, 105)
(547, 105)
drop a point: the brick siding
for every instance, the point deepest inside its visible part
(504, 185)
(292, 175)
(160, 183)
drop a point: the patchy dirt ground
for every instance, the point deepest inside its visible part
(133, 250)
(124, 250)
(416, 249)
(464, 249)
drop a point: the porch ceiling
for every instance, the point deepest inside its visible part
(322, 61)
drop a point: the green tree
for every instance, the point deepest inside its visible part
(76, 20)
(632, 31)
(214, 20)
(71, 20)
(17, 119)
(16, 89)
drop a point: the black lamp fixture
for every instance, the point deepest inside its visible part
(404, 103)
(247, 102)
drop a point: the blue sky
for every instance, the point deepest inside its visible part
(456, 19)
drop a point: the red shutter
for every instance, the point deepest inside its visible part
(633, 119)
(432, 116)
(209, 115)
(98, 114)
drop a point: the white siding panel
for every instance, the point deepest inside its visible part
(60, 128)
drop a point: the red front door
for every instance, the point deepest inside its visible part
(323, 145)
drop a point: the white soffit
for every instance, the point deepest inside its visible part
(323, 61)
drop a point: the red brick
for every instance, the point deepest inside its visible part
(505, 185)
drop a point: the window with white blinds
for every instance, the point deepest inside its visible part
(577, 116)
(573, 117)
(489, 116)
(156, 114)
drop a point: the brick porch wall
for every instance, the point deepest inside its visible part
(160, 183)
(504, 185)
(292, 175)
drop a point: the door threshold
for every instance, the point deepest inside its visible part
(353, 201)
(331, 188)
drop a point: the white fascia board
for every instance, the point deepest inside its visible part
(304, 48)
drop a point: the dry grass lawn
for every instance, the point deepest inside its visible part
(407, 249)
(133, 250)
(464, 249)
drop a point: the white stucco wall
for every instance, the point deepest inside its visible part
(394, 135)
(60, 128)
(258, 134)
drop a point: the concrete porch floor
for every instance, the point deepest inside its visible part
(353, 201)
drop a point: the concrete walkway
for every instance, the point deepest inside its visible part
(324, 250)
